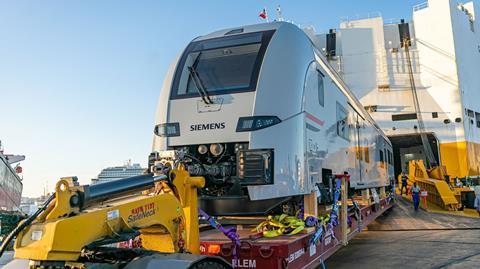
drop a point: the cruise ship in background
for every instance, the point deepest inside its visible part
(119, 172)
(10, 181)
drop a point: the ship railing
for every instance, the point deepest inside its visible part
(393, 21)
(358, 17)
(420, 6)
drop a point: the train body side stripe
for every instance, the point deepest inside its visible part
(314, 119)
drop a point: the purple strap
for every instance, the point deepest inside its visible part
(302, 211)
(231, 233)
(333, 222)
(311, 221)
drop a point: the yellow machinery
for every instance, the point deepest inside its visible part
(432, 180)
(161, 209)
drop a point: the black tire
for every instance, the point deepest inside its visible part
(209, 265)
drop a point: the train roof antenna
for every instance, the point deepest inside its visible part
(279, 14)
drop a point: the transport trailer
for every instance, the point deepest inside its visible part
(292, 251)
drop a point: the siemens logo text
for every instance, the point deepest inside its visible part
(207, 126)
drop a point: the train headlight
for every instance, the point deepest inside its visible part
(167, 129)
(246, 124)
(216, 149)
(202, 149)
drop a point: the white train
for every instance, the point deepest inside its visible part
(260, 114)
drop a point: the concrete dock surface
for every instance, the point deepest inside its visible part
(404, 238)
(410, 249)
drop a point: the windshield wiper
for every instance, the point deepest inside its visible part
(198, 81)
(199, 85)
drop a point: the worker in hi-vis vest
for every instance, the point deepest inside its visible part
(415, 195)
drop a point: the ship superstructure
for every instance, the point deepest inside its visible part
(444, 48)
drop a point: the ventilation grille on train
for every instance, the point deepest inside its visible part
(255, 167)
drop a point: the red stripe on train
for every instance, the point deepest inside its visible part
(314, 119)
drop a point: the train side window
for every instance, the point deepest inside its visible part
(342, 122)
(360, 153)
(321, 89)
(381, 157)
(367, 152)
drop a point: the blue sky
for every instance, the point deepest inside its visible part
(79, 80)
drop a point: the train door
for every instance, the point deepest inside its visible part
(383, 158)
(388, 162)
(357, 138)
(362, 148)
(390, 171)
(314, 110)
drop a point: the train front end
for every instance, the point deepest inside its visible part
(222, 107)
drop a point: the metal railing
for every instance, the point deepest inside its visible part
(394, 21)
(420, 6)
(364, 16)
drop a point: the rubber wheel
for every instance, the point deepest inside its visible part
(208, 265)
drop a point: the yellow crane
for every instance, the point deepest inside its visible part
(76, 223)
(432, 180)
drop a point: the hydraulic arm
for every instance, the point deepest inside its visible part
(159, 208)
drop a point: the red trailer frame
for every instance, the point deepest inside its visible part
(292, 251)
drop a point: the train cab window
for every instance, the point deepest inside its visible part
(314, 81)
(229, 64)
(321, 88)
(477, 119)
(342, 122)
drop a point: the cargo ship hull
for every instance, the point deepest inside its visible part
(10, 186)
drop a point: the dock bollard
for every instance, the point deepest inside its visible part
(424, 195)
